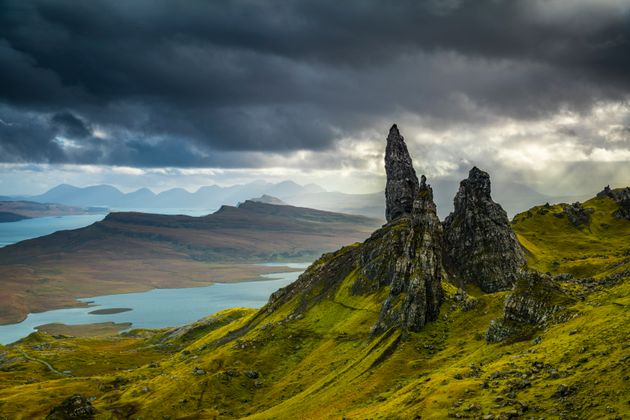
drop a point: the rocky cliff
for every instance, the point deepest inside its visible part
(479, 244)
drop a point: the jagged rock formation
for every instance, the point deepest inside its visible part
(621, 197)
(405, 255)
(411, 265)
(535, 301)
(402, 182)
(577, 214)
(480, 246)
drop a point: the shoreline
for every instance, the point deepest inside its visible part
(261, 273)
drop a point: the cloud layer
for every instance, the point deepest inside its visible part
(520, 86)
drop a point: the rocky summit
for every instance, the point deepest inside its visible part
(402, 182)
(479, 244)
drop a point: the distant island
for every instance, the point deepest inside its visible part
(109, 311)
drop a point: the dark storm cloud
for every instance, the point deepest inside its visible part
(70, 125)
(185, 84)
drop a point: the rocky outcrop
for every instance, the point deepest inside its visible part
(406, 257)
(621, 197)
(535, 301)
(577, 214)
(74, 407)
(479, 244)
(402, 182)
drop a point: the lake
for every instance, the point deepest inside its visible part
(13, 232)
(159, 308)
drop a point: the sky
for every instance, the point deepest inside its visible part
(168, 94)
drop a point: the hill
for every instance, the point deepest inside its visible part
(584, 240)
(137, 251)
(398, 326)
(7, 216)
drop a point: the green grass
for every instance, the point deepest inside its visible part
(321, 361)
(554, 245)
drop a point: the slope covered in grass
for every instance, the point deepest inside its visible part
(553, 244)
(311, 352)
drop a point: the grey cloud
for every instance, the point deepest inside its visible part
(209, 83)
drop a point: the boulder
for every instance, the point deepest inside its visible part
(74, 407)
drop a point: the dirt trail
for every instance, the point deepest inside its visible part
(43, 362)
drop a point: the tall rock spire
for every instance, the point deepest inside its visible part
(402, 182)
(480, 246)
(406, 256)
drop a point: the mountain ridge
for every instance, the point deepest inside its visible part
(513, 196)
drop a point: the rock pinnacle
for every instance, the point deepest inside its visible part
(402, 182)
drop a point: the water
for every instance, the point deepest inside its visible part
(13, 232)
(160, 308)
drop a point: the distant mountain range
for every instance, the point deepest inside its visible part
(514, 197)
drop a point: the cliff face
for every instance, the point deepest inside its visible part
(480, 246)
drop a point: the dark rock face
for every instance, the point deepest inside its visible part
(402, 182)
(536, 300)
(621, 197)
(74, 407)
(577, 214)
(407, 258)
(480, 246)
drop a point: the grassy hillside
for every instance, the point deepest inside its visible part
(310, 353)
(129, 252)
(553, 244)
